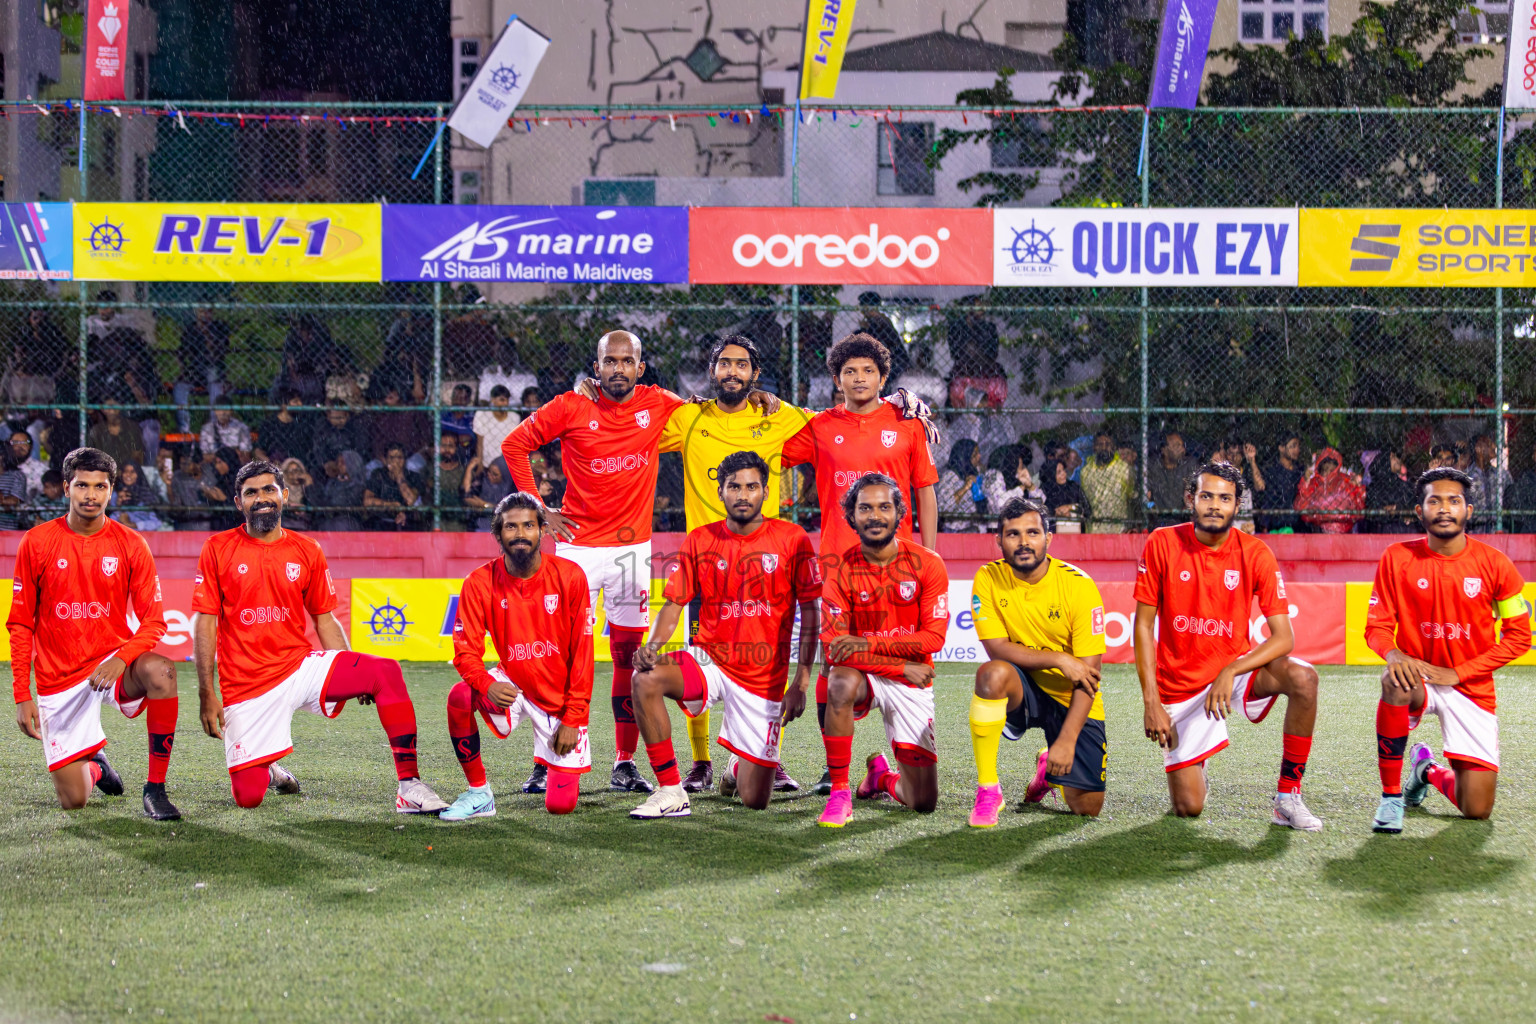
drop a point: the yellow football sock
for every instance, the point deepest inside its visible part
(698, 735)
(987, 717)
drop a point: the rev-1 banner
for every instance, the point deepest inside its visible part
(556, 244)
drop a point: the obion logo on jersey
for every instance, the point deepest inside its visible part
(807, 245)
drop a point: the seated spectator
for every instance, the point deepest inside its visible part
(1281, 479)
(13, 495)
(1441, 455)
(491, 426)
(341, 432)
(336, 498)
(668, 513)
(184, 489)
(30, 466)
(116, 436)
(1064, 497)
(134, 490)
(284, 434)
(409, 429)
(470, 343)
(551, 475)
(406, 362)
(343, 383)
(296, 511)
(1490, 481)
(1106, 483)
(204, 346)
(1390, 490)
(1008, 477)
(300, 376)
(1167, 477)
(922, 380)
(530, 400)
(1522, 499)
(459, 418)
(497, 375)
(1328, 487)
(959, 490)
(225, 430)
(308, 340)
(218, 488)
(879, 326)
(393, 488)
(453, 474)
(1239, 456)
(51, 502)
(487, 486)
(38, 352)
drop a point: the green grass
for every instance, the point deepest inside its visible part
(330, 907)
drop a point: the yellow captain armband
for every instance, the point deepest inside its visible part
(1512, 607)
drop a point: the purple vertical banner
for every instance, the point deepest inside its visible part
(1181, 49)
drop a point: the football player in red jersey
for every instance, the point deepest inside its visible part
(75, 577)
(885, 613)
(254, 588)
(1434, 607)
(862, 435)
(535, 608)
(750, 573)
(1197, 582)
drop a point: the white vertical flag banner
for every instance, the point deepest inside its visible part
(499, 84)
(1520, 72)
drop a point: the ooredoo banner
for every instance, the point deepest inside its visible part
(839, 245)
(1163, 248)
(554, 244)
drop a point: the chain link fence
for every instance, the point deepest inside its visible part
(1097, 400)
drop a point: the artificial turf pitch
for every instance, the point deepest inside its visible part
(330, 907)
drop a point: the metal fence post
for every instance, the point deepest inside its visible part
(1146, 175)
(82, 338)
(794, 312)
(1499, 437)
(437, 353)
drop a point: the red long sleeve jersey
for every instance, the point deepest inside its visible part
(609, 452)
(260, 592)
(541, 629)
(69, 604)
(903, 607)
(1442, 610)
(749, 587)
(842, 446)
(1203, 598)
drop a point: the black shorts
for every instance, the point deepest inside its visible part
(1038, 710)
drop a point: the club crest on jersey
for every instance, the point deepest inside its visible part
(109, 564)
(770, 561)
(551, 602)
(243, 568)
(293, 572)
(907, 588)
(1472, 586)
(888, 438)
(62, 563)
(643, 418)
(1231, 578)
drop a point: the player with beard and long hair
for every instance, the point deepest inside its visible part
(1041, 621)
(1446, 612)
(75, 577)
(534, 606)
(1197, 582)
(256, 585)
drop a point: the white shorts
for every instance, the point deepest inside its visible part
(71, 720)
(260, 730)
(502, 721)
(908, 714)
(749, 726)
(1470, 732)
(1200, 736)
(623, 574)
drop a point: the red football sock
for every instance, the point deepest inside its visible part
(821, 700)
(623, 642)
(1391, 740)
(161, 715)
(1294, 751)
(464, 733)
(1444, 779)
(356, 675)
(839, 753)
(250, 784)
(888, 783)
(561, 791)
(664, 762)
(94, 771)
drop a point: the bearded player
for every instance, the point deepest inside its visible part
(1197, 582)
(1433, 609)
(75, 577)
(749, 574)
(535, 608)
(885, 612)
(1041, 622)
(863, 435)
(254, 587)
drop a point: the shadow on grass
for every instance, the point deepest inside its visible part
(201, 851)
(1166, 850)
(1395, 875)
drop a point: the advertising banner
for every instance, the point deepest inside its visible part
(35, 242)
(1181, 47)
(827, 24)
(559, 244)
(1520, 62)
(106, 40)
(1357, 602)
(1158, 248)
(1418, 248)
(498, 86)
(227, 242)
(412, 619)
(838, 245)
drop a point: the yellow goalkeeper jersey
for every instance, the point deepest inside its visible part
(705, 436)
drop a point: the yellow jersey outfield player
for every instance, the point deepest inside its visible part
(1042, 624)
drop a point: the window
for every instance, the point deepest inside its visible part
(1275, 21)
(1021, 142)
(466, 62)
(466, 188)
(901, 160)
(1475, 27)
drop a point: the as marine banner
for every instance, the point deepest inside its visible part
(1438, 248)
